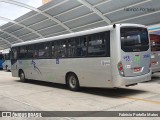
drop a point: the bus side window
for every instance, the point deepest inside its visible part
(23, 52)
(96, 45)
(14, 53)
(63, 48)
(107, 40)
(57, 49)
(5, 57)
(81, 49)
(31, 51)
(53, 50)
(72, 47)
(60, 49)
(44, 50)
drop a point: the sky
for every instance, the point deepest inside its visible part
(13, 11)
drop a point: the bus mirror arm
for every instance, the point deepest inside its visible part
(114, 26)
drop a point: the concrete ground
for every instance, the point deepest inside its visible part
(44, 96)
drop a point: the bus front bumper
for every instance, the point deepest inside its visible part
(126, 81)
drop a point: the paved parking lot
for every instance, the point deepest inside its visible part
(44, 96)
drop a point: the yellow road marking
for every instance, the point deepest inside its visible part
(144, 100)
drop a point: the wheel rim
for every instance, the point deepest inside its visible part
(72, 82)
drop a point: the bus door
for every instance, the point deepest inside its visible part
(135, 52)
(32, 62)
(14, 63)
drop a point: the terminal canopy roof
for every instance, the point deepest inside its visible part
(66, 16)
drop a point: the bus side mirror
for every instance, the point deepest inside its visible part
(114, 26)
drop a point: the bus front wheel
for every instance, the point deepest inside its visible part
(72, 82)
(22, 76)
(7, 68)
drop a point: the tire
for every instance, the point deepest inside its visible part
(7, 68)
(73, 82)
(22, 76)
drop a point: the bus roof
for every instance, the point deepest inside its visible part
(75, 34)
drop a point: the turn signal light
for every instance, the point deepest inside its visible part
(120, 69)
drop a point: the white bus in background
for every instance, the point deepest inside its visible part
(111, 56)
(154, 32)
(7, 60)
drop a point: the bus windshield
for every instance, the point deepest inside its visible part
(134, 39)
(155, 42)
(1, 57)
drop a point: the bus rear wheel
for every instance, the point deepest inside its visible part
(22, 76)
(72, 82)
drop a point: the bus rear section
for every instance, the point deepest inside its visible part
(134, 59)
(155, 52)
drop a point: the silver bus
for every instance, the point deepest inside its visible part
(155, 52)
(111, 56)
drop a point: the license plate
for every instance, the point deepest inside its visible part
(137, 69)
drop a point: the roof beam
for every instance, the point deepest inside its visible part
(2, 39)
(95, 10)
(4, 46)
(11, 35)
(12, 21)
(88, 14)
(38, 11)
(131, 18)
(27, 26)
(103, 2)
(42, 11)
(139, 3)
(60, 13)
(88, 24)
(68, 10)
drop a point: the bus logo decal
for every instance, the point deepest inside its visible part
(127, 58)
(146, 56)
(34, 66)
